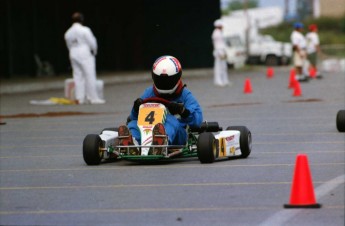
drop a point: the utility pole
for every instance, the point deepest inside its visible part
(286, 11)
(247, 31)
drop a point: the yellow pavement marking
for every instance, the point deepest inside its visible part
(256, 135)
(300, 142)
(296, 134)
(297, 152)
(126, 186)
(146, 210)
(129, 210)
(177, 166)
(113, 186)
(254, 143)
(80, 155)
(74, 155)
(40, 146)
(48, 138)
(39, 156)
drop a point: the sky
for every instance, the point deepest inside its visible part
(268, 3)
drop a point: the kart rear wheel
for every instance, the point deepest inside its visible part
(206, 148)
(245, 140)
(341, 121)
(92, 151)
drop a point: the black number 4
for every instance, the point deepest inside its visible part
(150, 117)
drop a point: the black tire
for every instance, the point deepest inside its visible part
(207, 148)
(245, 140)
(272, 60)
(253, 60)
(284, 60)
(115, 129)
(341, 121)
(91, 149)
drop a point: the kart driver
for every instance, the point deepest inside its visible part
(183, 107)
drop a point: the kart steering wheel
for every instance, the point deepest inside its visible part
(152, 100)
(157, 100)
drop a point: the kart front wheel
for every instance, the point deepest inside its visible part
(207, 148)
(245, 140)
(341, 121)
(92, 151)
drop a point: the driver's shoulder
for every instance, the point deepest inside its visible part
(148, 92)
(186, 93)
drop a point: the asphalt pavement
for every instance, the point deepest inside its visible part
(45, 181)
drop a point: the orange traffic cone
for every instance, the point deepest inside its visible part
(297, 89)
(247, 86)
(269, 72)
(292, 78)
(312, 72)
(302, 191)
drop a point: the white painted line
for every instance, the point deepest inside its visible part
(283, 216)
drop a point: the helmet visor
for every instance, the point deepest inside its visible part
(165, 82)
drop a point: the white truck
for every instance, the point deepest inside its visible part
(264, 49)
(239, 27)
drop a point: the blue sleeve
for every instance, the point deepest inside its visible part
(195, 117)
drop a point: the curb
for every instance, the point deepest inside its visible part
(116, 78)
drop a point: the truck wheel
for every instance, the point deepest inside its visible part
(341, 121)
(92, 152)
(284, 60)
(207, 148)
(245, 140)
(271, 60)
(253, 60)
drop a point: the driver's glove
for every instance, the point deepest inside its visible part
(137, 104)
(178, 108)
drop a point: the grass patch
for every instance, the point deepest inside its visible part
(331, 30)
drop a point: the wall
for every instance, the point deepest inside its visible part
(130, 34)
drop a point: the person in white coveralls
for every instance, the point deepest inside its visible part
(220, 64)
(82, 46)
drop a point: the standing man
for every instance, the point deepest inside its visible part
(299, 45)
(82, 46)
(313, 48)
(219, 54)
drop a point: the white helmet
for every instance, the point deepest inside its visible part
(166, 73)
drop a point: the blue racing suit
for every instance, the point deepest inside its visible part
(174, 127)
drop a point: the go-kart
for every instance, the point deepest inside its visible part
(209, 142)
(340, 120)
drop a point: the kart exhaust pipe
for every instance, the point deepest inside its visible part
(174, 153)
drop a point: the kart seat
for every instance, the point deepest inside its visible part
(207, 127)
